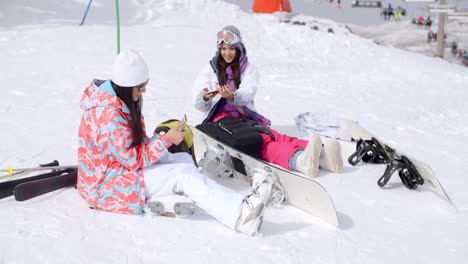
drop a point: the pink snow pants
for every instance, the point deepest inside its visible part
(280, 150)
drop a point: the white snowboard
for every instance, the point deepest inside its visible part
(324, 124)
(301, 192)
(430, 180)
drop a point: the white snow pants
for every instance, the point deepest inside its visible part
(178, 174)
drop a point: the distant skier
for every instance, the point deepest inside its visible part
(454, 48)
(385, 13)
(430, 36)
(389, 12)
(338, 3)
(227, 87)
(120, 167)
(397, 13)
(420, 21)
(428, 22)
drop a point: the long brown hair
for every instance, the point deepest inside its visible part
(235, 66)
(125, 94)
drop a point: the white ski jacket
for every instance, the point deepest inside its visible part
(243, 96)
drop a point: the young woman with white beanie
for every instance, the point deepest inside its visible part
(120, 167)
(227, 87)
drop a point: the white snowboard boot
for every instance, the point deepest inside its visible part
(171, 205)
(278, 194)
(253, 205)
(308, 161)
(331, 159)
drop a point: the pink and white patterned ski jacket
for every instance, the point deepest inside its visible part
(110, 169)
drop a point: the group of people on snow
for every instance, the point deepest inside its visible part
(121, 167)
(432, 36)
(460, 53)
(420, 22)
(396, 13)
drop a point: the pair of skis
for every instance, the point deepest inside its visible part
(26, 188)
(60, 177)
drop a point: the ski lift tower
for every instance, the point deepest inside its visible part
(442, 9)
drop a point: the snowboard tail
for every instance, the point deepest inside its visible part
(412, 172)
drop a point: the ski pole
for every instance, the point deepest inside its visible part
(10, 169)
(118, 25)
(86, 12)
(54, 165)
(43, 168)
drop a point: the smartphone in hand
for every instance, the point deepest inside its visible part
(213, 92)
(183, 123)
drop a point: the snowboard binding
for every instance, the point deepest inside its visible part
(217, 163)
(371, 151)
(409, 175)
(278, 193)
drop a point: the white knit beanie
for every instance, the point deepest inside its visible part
(129, 69)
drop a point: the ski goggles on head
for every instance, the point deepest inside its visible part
(227, 37)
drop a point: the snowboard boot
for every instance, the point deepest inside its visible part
(172, 205)
(330, 158)
(217, 163)
(251, 217)
(308, 161)
(278, 194)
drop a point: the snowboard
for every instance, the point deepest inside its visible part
(301, 192)
(324, 124)
(430, 180)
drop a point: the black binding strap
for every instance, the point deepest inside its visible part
(408, 173)
(371, 151)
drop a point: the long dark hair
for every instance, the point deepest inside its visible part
(125, 94)
(235, 66)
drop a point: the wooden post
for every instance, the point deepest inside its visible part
(441, 32)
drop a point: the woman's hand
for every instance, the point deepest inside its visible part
(207, 94)
(225, 92)
(176, 134)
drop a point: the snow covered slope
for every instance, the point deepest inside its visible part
(414, 102)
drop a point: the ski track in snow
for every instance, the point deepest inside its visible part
(47, 61)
